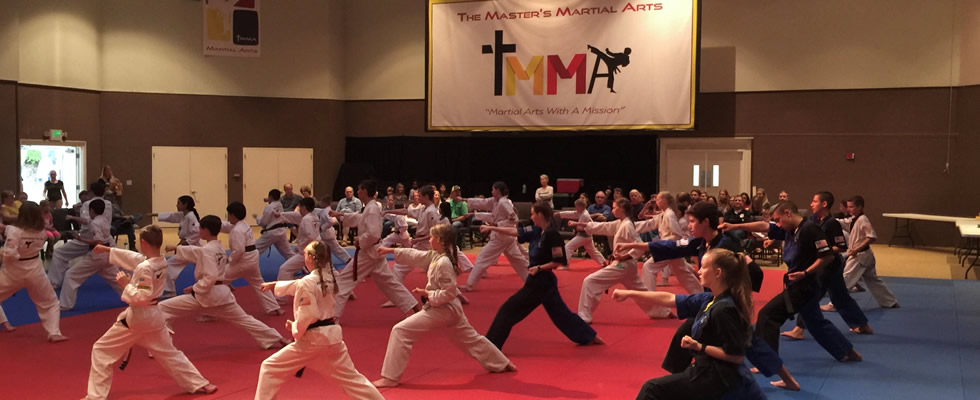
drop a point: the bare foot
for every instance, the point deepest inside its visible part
(8, 327)
(796, 333)
(207, 389)
(57, 338)
(387, 304)
(276, 313)
(463, 299)
(510, 368)
(792, 385)
(853, 355)
(598, 340)
(384, 382)
(863, 330)
(829, 307)
(465, 288)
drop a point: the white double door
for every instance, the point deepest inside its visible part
(199, 172)
(267, 168)
(706, 164)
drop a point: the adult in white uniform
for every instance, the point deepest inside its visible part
(189, 232)
(76, 248)
(668, 224)
(92, 263)
(244, 261)
(442, 309)
(274, 228)
(309, 231)
(582, 238)
(22, 268)
(501, 214)
(142, 322)
(209, 294)
(319, 341)
(366, 260)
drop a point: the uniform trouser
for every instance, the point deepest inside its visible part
(174, 267)
(516, 255)
(801, 298)
(329, 237)
(678, 267)
(585, 241)
(687, 385)
(855, 270)
(277, 237)
(251, 274)
(758, 353)
(832, 282)
(114, 344)
(62, 256)
(84, 268)
(231, 312)
(40, 291)
(330, 359)
(288, 270)
(401, 238)
(597, 282)
(540, 289)
(454, 323)
(378, 269)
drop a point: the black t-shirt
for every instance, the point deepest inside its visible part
(543, 246)
(738, 216)
(54, 190)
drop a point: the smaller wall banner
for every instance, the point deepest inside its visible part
(231, 28)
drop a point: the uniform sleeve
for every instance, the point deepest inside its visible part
(371, 225)
(688, 305)
(556, 246)
(226, 227)
(307, 309)
(836, 235)
(727, 325)
(669, 249)
(568, 215)
(412, 257)
(174, 217)
(444, 279)
(126, 259)
(602, 228)
(648, 225)
(236, 244)
(479, 204)
(291, 217)
(811, 235)
(527, 234)
(286, 288)
(10, 251)
(776, 233)
(483, 216)
(869, 231)
(139, 291)
(101, 232)
(268, 215)
(507, 208)
(195, 254)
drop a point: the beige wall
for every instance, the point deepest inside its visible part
(385, 49)
(59, 43)
(969, 42)
(9, 48)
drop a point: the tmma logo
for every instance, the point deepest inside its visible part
(557, 69)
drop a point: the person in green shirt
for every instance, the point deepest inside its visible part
(459, 211)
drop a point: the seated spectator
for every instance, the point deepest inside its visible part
(10, 208)
(695, 195)
(746, 200)
(783, 196)
(113, 186)
(617, 194)
(724, 201)
(765, 198)
(600, 211)
(759, 205)
(306, 191)
(636, 204)
(289, 199)
(684, 200)
(737, 214)
(712, 200)
(50, 232)
(401, 199)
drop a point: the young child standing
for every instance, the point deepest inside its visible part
(274, 232)
(244, 262)
(92, 263)
(142, 323)
(582, 238)
(327, 233)
(309, 231)
(319, 340)
(860, 263)
(442, 309)
(189, 232)
(209, 293)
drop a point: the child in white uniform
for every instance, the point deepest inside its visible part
(76, 248)
(442, 310)
(319, 340)
(309, 231)
(860, 262)
(327, 233)
(142, 323)
(622, 267)
(274, 232)
(501, 214)
(244, 262)
(22, 268)
(209, 294)
(91, 263)
(366, 261)
(582, 238)
(670, 229)
(189, 232)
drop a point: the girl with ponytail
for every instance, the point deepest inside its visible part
(189, 233)
(319, 340)
(442, 309)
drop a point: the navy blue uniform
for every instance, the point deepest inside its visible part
(832, 279)
(540, 289)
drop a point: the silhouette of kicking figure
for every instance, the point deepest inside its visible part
(613, 62)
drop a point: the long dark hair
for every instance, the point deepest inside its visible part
(188, 202)
(736, 276)
(30, 217)
(322, 259)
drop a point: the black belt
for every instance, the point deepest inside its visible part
(29, 258)
(250, 247)
(317, 324)
(276, 226)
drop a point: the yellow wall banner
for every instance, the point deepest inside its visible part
(504, 65)
(231, 28)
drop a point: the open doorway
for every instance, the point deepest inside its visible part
(39, 158)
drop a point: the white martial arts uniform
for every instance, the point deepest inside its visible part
(621, 231)
(210, 296)
(244, 262)
(321, 349)
(670, 229)
(89, 265)
(279, 237)
(368, 262)
(189, 232)
(399, 233)
(442, 311)
(22, 268)
(862, 265)
(501, 214)
(309, 231)
(428, 218)
(328, 235)
(74, 248)
(140, 324)
(582, 239)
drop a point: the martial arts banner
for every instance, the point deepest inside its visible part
(231, 28)
(502, 65)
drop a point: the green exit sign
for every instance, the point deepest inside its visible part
(55, 134)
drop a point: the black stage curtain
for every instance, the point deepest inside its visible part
(629, 162)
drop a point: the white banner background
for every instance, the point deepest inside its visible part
(222, 37)
(655, 91)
